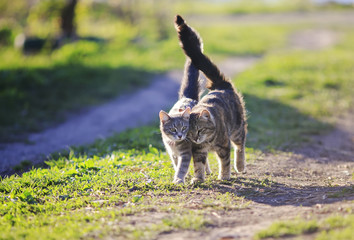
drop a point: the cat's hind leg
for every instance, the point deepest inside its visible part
(239, 151)
(207, 167)
(239, 157)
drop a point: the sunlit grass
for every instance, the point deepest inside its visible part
(93, 187)
(238, 39)
(334, 227)
(252, 6)
(287, 229)
(291, 95)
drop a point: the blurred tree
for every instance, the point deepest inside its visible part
(50, 24)
(15, 10)
(5, 35)
(67, 16)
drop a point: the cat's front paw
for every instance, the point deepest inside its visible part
(208, 171)
(178, 181)
(224, 177)
(240, 168)
(196, 180)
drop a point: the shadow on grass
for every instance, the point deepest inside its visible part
(275, 126)
(32, 99)
(276, 194)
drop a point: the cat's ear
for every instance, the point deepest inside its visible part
(205, 115)
(186, 113)
(164, 116)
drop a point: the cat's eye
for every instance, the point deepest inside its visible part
(173, 129)
(184, 128)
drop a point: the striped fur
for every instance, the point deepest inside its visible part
(219, 119)
(174, 125)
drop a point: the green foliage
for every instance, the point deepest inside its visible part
(44, 17)
(75, 53)
(5, 35)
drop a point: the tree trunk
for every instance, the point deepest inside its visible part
(68, 29)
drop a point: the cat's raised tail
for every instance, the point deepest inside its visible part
(190, 84)
(191, 43)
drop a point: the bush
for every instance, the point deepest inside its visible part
(5, 36)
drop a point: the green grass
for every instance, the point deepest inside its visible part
(93, 188)
(333, 227)
(253, 6)
(286, 229)
(238, 39)
(292, 95)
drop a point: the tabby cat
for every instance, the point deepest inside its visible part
(174, 125)
(219, 118)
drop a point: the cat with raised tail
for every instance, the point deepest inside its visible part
(219, 118)
(174, 125)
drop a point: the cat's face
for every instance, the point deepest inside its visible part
(201, 127)
(175, 127)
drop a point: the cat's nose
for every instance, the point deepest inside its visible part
(179, 136)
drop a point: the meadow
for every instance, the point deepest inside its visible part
(121, 187)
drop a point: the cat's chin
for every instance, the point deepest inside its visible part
(177, 140)
(197, 142)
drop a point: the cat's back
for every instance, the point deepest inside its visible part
(226, 106)
(182, 105)
(219, 98)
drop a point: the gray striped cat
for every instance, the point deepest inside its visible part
(174, 125)
(219, 118)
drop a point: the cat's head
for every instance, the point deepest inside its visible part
(201, 126)
(175, 127)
